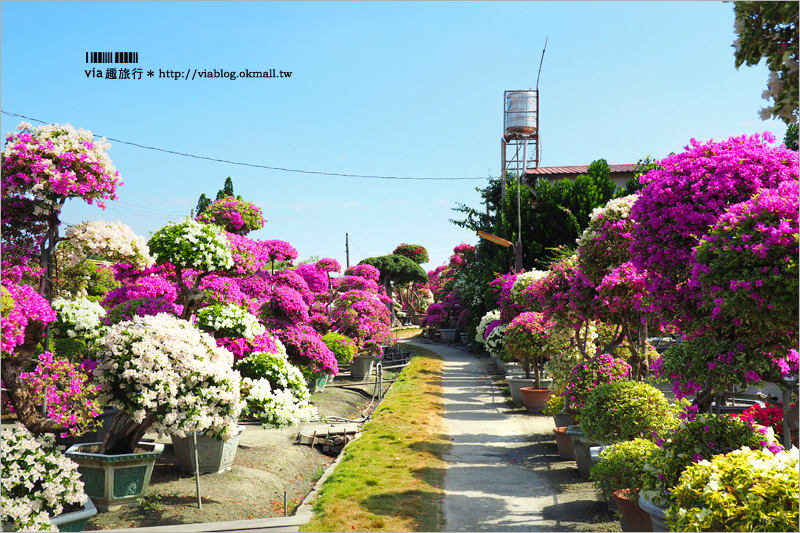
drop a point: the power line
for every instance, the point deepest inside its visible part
(281, 169)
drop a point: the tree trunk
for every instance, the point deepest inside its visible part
(387, 285)
(125, 434)
(17, 391)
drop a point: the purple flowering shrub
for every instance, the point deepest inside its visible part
(362, 316)
(328, 264)
(316, 279)
(21, 306)
(502, 287)
(250, 256)
(527, 339)
(286, 304)
(241, 347)
(690, 364)
(746, 270)
(434, 316)
(304, 348)
(279, 250)
(365, 271)
(684, 198)
(153, 286)
(67, 390)
(589, 374)
(233, 215)
(694, 441)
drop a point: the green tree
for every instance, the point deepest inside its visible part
(642, 167)
(769, 30)
(398, 269)
(790, 139)
(224, 192)
(202, 204)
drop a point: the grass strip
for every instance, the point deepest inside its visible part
(391, 477)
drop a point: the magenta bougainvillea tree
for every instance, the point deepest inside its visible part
(415, 252)
(684, 198)
(233, 215)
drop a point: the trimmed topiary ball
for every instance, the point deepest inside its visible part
(625, 410)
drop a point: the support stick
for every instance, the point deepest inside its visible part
(196, 470)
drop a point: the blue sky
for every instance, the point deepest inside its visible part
(412, 89)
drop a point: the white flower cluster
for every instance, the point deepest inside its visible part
(37, 481)
(161, 364)
(487, 319)
(522, 282)
(615, 209)
(79, 318)
(192, 244)
(113, 241)
(496, 341)
(229, 318)
(276, 408)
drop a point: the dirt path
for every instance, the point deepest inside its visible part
(504, 472)
(268, 463)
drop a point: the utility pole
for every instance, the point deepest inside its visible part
(347, 248)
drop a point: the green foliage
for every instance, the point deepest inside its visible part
(202, 204)
(6, 302)
(746, 490)
(790, 139)
(642, 167)
(702, 438)
(88, 278)
(74, 350)
(397, 268)
(344, 348)
(621, 466)
(555, 404)
(625, 410)
(769, 30)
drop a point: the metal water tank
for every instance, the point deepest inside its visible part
(520, 115)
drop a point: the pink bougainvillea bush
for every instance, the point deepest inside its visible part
(233, 215)
(684, 198)
(56, 160)
(746, 269)
(590, 373)
(21, 305)
(415, 252)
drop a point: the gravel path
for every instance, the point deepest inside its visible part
(504, 472)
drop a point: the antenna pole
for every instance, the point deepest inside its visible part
(540, 63)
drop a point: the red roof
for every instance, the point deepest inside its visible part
(574, 169)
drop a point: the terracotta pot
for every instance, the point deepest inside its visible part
(515, 385)
(632, 518)
(535, 400)
(564, 443)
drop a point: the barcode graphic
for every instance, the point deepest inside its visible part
(106, 57)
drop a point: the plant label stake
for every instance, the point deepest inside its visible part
(196, 470)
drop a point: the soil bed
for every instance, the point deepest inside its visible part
(268, 463)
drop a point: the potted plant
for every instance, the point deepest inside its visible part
(344, 348)
(527, 338)
(585, 377)
(702, 437)
(361, 366)
(164, 375)
(745, 490)
(39, 485)
(619, 475)
(625, 410)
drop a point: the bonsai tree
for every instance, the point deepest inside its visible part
(233, 215)
(165, 375)
(527, 338)
(190, 244)
(42, 167)
(415, 252)
(395, 268)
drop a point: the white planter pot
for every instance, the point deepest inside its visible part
(215, 456)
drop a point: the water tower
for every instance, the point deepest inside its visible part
(521, 129)
(519, 146)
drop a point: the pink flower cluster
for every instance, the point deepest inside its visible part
(328, 264)
(148, 286)
(233, 215)
(279, 250)
(249, 256)
(589, 374)
(304, 346)
(26, 306)
(365, 271)
(241, 347)
(316, 279)
(415, 252)
(66, 389)
(680, 203)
